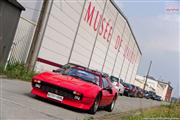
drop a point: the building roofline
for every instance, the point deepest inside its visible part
(120, 11)
(167, 83)
(16, 4)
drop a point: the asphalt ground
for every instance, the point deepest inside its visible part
(17, 103)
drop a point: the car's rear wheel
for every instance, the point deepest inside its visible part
(110, 107)
(120, 92)
(95, 106)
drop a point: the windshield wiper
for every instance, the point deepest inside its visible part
(75, 76)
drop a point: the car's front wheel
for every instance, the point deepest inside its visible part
(110, 107)
(95, 106)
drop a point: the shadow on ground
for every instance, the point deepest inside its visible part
(54, 103)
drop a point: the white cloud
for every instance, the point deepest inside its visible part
(159, 45)
(169, 18)
(160, 33)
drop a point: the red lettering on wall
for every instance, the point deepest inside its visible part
(89, 17)
(107, 24)
(132, 57)
(118, 42)
(125, 51)
(110, 34)
(94, 17)
(129, 54)
(102, 26)
(95, 22)
(89, 14)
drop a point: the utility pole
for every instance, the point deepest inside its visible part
(147, 75)
(39, 33)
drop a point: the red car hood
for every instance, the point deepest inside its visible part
(68, 82)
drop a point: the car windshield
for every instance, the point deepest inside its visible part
(151, 92)
(127, 85)
(114, 79)
(64, 67)
(83, 75)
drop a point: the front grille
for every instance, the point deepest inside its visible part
(57, 90)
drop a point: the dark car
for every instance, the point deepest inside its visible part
(134, 90)
(158, 98)
(146, 94)
(128, 89)
(140, 92)
(152, 95)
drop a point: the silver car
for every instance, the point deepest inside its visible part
(117, 84)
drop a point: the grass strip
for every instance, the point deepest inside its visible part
(17, 71)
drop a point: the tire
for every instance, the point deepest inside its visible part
(122, 93)
(126, 94)
(110, 107)
(119, 93)
(95, 105)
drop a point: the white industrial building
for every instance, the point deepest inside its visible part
(161, 88)
(95, 34)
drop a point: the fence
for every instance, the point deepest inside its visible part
(22, 41)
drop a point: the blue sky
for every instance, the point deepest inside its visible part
(156, 25)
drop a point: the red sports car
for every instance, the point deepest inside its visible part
(76, 86)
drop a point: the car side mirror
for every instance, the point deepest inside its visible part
(108, 89)
(58, 70)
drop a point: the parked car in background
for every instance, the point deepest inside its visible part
(134, 90)
(140, 92)
(128, 89)
(117, 84)
(152, 95)
(158, 98)
(146, 94)
(76, 86)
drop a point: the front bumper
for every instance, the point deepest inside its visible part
(127, 92)
(84, 104)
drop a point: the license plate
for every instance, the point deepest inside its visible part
(54, 96)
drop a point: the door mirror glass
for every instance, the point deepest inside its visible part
(108, 89)
(58, 70)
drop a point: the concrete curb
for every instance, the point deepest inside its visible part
(3, 76)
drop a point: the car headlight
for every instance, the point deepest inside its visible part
(37, 81)
(77, 95)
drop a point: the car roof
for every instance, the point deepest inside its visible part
(73, 64)
(127, 84)
(114, 77)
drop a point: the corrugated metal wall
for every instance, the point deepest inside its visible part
(90, 33)
(60, 33)
(25, 31)
(9, 17)
(22, 41)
